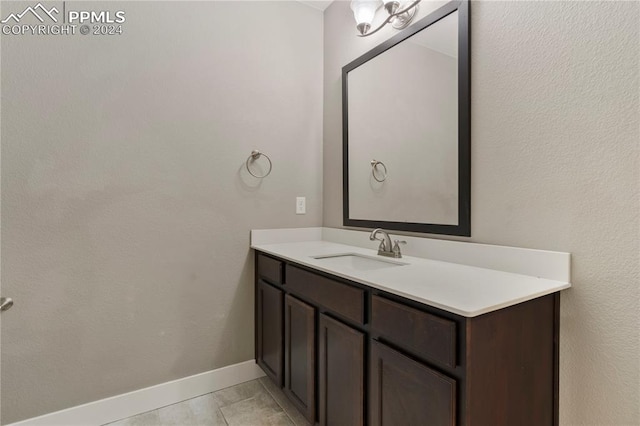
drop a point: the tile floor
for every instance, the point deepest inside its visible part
(255, 403)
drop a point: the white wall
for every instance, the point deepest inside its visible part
(125, 206)
(555, 144)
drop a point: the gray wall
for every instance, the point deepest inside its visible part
(125, 207)
(555, 138)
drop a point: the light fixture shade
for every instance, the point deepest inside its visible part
(364, 10)
(391, 6)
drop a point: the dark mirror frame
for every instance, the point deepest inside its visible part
(463, 228)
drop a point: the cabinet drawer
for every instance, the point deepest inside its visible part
(269, 269)
(424, 334)
(341, 298)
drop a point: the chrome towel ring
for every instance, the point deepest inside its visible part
(374, 169)
(255, 154)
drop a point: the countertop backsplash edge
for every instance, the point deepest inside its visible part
(551, 265)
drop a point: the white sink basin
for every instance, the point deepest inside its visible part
(359, 262)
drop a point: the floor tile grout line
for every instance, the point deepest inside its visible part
(226, 422)
(284, 410)
(219, 408)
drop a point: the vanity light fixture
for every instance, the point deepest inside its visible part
(399, 15)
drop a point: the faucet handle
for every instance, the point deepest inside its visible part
(396, 248)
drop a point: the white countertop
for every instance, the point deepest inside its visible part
(461, 289)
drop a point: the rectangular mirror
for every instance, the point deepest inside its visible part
(406, 129)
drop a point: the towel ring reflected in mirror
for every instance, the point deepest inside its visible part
(254, 156)
(374, 168)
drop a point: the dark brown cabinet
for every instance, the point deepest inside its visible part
(299, 358)
(269, 330)
(405, 392)
(429, 336)
(341, 358)
(341, 299)
(348, 354)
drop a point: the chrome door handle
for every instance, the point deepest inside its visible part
(5, 303)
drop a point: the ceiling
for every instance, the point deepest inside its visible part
(317, 4)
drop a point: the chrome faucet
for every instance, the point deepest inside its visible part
(385, 248)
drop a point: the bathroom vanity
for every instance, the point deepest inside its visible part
(454, 334)
(357, 339)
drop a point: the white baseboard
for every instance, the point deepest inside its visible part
(129, 404)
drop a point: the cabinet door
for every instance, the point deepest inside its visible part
(269, 330)
(340, 374)
(405, 392)
(299, 358)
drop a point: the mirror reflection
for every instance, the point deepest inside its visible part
(403, 112)
(406, 142)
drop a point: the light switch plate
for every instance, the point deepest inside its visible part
(301, 205)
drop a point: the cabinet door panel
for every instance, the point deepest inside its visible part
(269, 330)
(300, 333)
(405, 392)
(340, 374)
